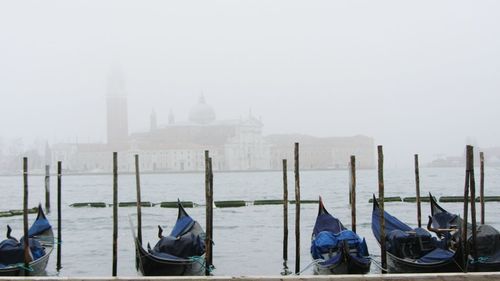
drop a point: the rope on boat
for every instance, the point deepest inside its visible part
(201, 261)
(317, 261)
(27, 268)
(377, 264)
(480, 260)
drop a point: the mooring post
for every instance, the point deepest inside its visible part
(297, 209)
(208, 204)
(27, 252)
(211, 216)
(417, 184)
(465, 248)
(285, 217)
(383, 255)
(59, 214)
(470, 151)
(138, 190)
(47, 188)
(115, 212)
(352, 192)
(481, 185)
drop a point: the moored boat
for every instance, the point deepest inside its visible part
(180, 253)
(449, 226)
(336, 249)
(41, 242)
(412, 250)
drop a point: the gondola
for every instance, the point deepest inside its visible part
(448, 226)
(412, 250)
(336, 249)
(180, 253)
(41, 241)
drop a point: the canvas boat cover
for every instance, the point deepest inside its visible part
(187, 239)
(406, 242)
(12, 251)
(330, 235)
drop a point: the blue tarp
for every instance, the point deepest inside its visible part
(436, 255)
(391, 224)
(12, 252)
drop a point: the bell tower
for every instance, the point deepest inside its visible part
(116, 108)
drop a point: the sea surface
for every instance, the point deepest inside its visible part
(248, 240)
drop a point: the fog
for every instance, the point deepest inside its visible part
(419, 77)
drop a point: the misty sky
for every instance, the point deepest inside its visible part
(419, 76)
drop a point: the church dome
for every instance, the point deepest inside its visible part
(202, 113)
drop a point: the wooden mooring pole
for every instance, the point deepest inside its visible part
(285, 212)
(139, 214)
(465, 248)
(47, 188)
(481, 185)
(208, 210)
(138, 191)
(297, 209)
(383, 252)
(59, 214)
(27, 252)
(417, 184)
(470, 152)
(211, 181)
(352, 191)
(285, 219)
(115, 213)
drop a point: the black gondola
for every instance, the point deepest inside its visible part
(448, 226)
(182, 252)
(336, 249)
(412, 250)
(41, 241)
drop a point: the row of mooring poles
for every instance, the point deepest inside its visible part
(27, 255)
(297, 213)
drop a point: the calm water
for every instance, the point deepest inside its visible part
(248, 240)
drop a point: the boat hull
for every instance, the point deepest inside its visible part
(398, 265)
(150, 265)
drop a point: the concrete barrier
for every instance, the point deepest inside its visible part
(480, 276)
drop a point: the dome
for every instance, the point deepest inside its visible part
(202, 113)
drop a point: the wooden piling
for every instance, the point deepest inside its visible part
(138, 191)
(115, 213)
(383, 254)
(285, 213)
(285, 219)
(211, 216)
(297, 209)
(59, 214)
(417, 184)
(47, 188)
(472, 185)
(27, 252)
(352, 192)
(465, 248)
(481, 185)
(208, 207)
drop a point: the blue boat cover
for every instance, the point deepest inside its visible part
(12, 251)
(186, 239)
(436, 255)
(182, 225)
(326, 222)
(391, 224)
(327, 241)
(40, 225)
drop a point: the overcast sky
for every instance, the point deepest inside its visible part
(419, 76)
